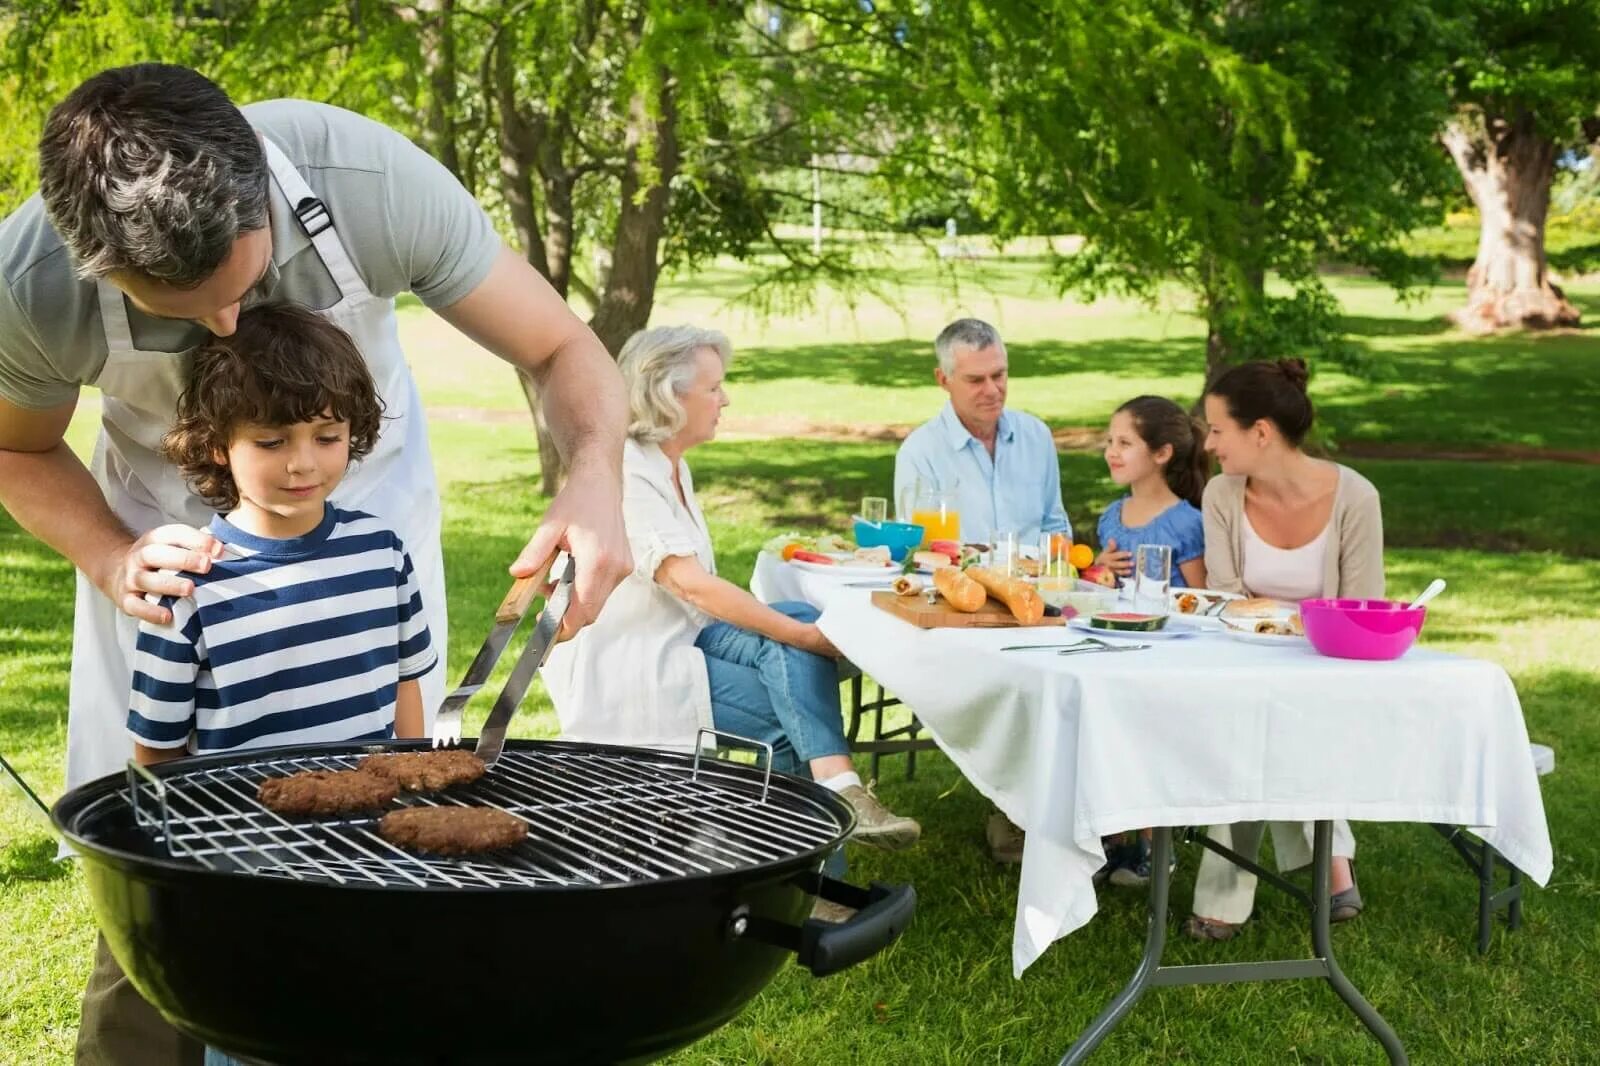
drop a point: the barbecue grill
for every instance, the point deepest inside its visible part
(654, 895)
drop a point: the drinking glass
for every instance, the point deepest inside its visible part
(1057, 578)
(1152, 578)
(1005, 553)
(875, 509)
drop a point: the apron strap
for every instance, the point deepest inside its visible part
(114, 318)
(315, 220)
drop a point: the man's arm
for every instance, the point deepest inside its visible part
(51, 494)
(515, 313)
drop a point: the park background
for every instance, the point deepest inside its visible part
(1401, 192)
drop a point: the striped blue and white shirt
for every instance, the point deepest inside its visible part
(301, 641)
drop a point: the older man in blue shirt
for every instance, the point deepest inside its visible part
(1001, 464)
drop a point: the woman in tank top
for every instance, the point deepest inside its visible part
(1282, 524)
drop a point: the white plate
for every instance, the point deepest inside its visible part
(1174, 630)
(1247, 637)
(847, 565)
(1207, 597)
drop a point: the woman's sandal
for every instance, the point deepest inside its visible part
(1200, 928)
(1343, 906)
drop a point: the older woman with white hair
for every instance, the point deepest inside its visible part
(676, 647)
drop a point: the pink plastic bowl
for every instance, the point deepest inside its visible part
(1361, 629)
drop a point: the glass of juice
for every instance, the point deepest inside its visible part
(935, 511)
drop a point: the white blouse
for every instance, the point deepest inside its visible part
(1292, 574)
(635, 676)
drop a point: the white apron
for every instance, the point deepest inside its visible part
(140, 395)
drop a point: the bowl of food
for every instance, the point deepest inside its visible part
(898, 537)
(1362, 629)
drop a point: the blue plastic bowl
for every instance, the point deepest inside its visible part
(899, 537)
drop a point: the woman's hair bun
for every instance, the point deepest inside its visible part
(1296, 372)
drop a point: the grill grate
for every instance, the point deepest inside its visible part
(594, 818)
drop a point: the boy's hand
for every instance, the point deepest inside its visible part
(135, 569)
(1120, 562)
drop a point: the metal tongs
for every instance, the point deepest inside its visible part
(492, 738)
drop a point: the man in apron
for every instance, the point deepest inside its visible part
(164, 211)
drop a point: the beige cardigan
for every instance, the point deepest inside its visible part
(1353, 566)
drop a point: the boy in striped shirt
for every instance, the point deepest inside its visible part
(309, 629)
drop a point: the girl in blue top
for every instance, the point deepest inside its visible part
(1157, 450)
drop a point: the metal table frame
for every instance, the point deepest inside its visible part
(1151, 973)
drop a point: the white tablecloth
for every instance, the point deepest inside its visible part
(1193, 732)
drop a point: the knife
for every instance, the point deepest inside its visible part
(447, 723)
(492, 738)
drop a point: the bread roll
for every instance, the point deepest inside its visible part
(1026, 605)
(959, 590)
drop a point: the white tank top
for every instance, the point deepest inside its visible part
(1292, 574)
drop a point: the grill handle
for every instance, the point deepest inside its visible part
(142, 817)
(883, 912)
(743, 742)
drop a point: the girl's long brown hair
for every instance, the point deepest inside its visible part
(1159, 421)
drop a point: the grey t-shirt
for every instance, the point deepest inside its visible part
(404, 219)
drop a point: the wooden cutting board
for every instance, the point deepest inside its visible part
(940, 615)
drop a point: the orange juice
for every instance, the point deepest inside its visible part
(942, 524)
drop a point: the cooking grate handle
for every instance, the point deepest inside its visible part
(159, 787)
(699, 747)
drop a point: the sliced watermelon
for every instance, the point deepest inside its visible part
(1128, 621)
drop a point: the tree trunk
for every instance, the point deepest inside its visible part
(518, 147)
(630, 289)
(438, 41)
(1507, 166)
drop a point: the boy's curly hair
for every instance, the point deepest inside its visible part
(282, 365)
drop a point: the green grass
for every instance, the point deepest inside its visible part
(1516, 540)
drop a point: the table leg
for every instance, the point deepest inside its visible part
(1322, 946)
(1149, 965)
(1150, 971)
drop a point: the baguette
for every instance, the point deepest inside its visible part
(1026, 605)
(959, 590)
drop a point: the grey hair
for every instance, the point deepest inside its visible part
(971, 333)
(151, 169)
(658, 366)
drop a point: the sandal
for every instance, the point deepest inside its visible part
(1213, 929)
(1343, 906)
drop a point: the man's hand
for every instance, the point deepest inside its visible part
(585, 519)
(136, 568)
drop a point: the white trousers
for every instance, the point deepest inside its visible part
(1226, 892)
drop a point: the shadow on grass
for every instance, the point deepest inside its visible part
(910, 363)
(1370, 326)
(33, 859)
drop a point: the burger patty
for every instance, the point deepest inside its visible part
(425, 771)
(326, 792)
(452, 830)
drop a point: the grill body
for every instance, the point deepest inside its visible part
(290, 969)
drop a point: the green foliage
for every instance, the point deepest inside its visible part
(1207, 143)
(1540, 57)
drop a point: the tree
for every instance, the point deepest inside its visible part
(1527, 88)
(649, 132)
(1211, 143)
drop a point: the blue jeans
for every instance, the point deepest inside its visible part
(774, 693)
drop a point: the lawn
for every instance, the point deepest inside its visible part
(1516, 539)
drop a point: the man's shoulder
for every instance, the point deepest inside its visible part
(922, 437)
(1031, 426)
(28, 242)
(315, 135)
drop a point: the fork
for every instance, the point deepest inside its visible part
(1108, 648)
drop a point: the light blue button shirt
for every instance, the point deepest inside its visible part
(1016, 491)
